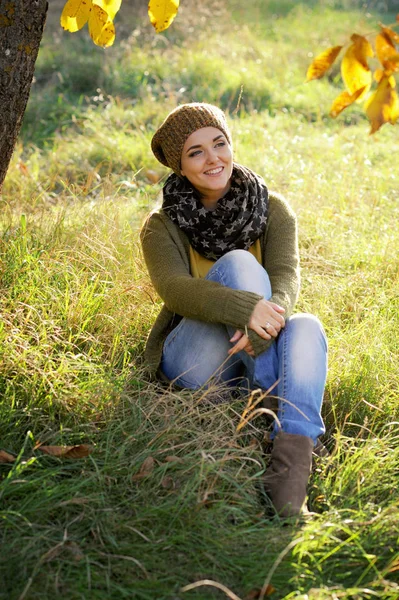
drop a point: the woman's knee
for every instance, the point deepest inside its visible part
(240, 269)
(309, 326)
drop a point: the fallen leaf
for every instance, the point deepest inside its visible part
(322, 63)
(146, 469)
(162, 13)
(5, 457)
(167, 483)
(382, 106)
(78, 451)
(257, 593)
(343, 101)
(172, 458)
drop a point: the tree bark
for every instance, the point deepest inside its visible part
(21, 31)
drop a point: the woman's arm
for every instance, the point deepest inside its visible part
(281, 254)
(281, 261)
(195, 298)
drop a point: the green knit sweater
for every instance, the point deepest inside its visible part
(166, 253)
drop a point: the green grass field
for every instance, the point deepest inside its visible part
(170, 494)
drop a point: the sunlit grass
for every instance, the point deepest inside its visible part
(76, 306)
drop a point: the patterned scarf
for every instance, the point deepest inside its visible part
(237, 222)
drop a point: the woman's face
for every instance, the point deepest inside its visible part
(207, 162)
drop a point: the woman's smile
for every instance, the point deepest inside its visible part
(214, 172)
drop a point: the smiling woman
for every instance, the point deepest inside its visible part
(223, 255)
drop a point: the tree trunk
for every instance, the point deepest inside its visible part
(21, 30)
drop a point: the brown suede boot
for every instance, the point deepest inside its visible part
(287, 476)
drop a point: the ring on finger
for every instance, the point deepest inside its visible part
(267, 325)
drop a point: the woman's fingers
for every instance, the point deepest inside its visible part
(277, 307)
(272, 330)
(240, 345)
(237, 335)
(261, 332)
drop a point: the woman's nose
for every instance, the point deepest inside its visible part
(211, 155)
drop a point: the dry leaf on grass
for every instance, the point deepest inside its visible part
(256, 593)
(6, 458)
(146, 469)
(78, 451)
(167, 483)
(172, 459)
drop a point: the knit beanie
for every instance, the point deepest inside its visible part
(167, 143)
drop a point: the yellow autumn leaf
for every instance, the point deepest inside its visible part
(162, 13)
(101, 27)
(322, 63)
(111, 7)
(380, 73)
(75, 14)
(363, 48)
(343, 101)
(354, 68)
(386, 52)
(382, 106)
(393, 35)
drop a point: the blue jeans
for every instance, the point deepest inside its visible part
(195, 353)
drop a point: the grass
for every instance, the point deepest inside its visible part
(170, 494)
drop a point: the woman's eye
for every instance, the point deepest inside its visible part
(195, 153)
(220, 144)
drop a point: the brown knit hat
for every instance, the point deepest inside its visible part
(167, 143)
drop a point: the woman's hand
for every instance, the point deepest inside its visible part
(243, 343)
(267, 319)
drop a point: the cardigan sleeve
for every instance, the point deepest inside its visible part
(183, 294)
(281, 255)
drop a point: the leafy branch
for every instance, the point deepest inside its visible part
(100, 14)
(382, 105)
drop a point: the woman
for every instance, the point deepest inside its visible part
(222, 253)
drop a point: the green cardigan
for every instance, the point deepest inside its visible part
(166, 253)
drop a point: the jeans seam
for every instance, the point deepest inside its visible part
(284, 382)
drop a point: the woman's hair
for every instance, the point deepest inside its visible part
(168, 142)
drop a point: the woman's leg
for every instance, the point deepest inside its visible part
(196, 351)
(298, 359)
